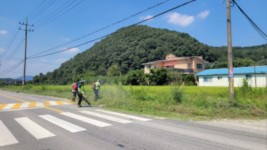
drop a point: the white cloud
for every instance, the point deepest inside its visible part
(204, 14)
(73, 50)
(146, 17)
(180, 19)
(3, 32)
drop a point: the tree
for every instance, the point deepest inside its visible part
(135, 77)
(240, 62)
(158, 76)
(114, 70)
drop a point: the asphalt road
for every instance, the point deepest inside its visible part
(30, 122)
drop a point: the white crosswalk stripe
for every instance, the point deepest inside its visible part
(63, 124)
(39, 132)
(124, 115)
(106, 117)
(33, 128)
(6, 137)
(86, 119)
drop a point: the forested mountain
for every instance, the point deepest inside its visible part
(129, 47)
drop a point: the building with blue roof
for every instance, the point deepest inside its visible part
(256, 76)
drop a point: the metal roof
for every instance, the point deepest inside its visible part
(240, 70)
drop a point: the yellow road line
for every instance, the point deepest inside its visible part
(46, 104)
(11, 97)
(2, 106)
(59, 102)
(17, 106)
(32, 104)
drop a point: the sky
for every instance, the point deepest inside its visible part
(75, 25)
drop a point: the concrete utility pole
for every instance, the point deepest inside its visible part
(230, 53)
(25, 49)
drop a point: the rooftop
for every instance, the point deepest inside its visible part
(240, 70)
(172, 59)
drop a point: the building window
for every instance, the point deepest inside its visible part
(248, 76)
(207, 79)
(148, 66)
(219, 77)
(199, 66)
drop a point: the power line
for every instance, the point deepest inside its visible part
(186, 3)
(12, 68)
(33, 57)
(10, 43)
(41, 8)
(39, 56)
(264, 35)
(15, 50)
(105, 27)
(59, 13)
(37, 11)
(164, 12)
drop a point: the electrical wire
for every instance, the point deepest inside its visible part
(12, 68)
(10, 43)
(17, 65)
(57, 13)
(164, 12)
(41, 8)
(61, 12)
(103, 28)
(264, 35)
(15, 50)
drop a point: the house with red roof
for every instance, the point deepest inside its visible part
(185, 65)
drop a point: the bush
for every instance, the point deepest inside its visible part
(135, 77)
(177, 94)
(158, 76)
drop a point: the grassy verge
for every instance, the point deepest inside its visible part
(170, 101)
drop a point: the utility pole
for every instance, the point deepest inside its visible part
(25, 49)
(230, 53)
(255, 75)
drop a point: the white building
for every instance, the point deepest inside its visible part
(256, 76)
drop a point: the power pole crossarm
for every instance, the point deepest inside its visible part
(26, 29)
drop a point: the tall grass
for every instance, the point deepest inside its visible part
(171, 101)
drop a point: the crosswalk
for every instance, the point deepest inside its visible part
(28, 105)
(96, 118)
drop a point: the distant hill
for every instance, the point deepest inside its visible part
(16, 81)
(27, 78)
(8, 81)
(130, 47)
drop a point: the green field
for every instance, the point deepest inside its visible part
(189, 102)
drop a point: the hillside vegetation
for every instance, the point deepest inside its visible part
(129, 47)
